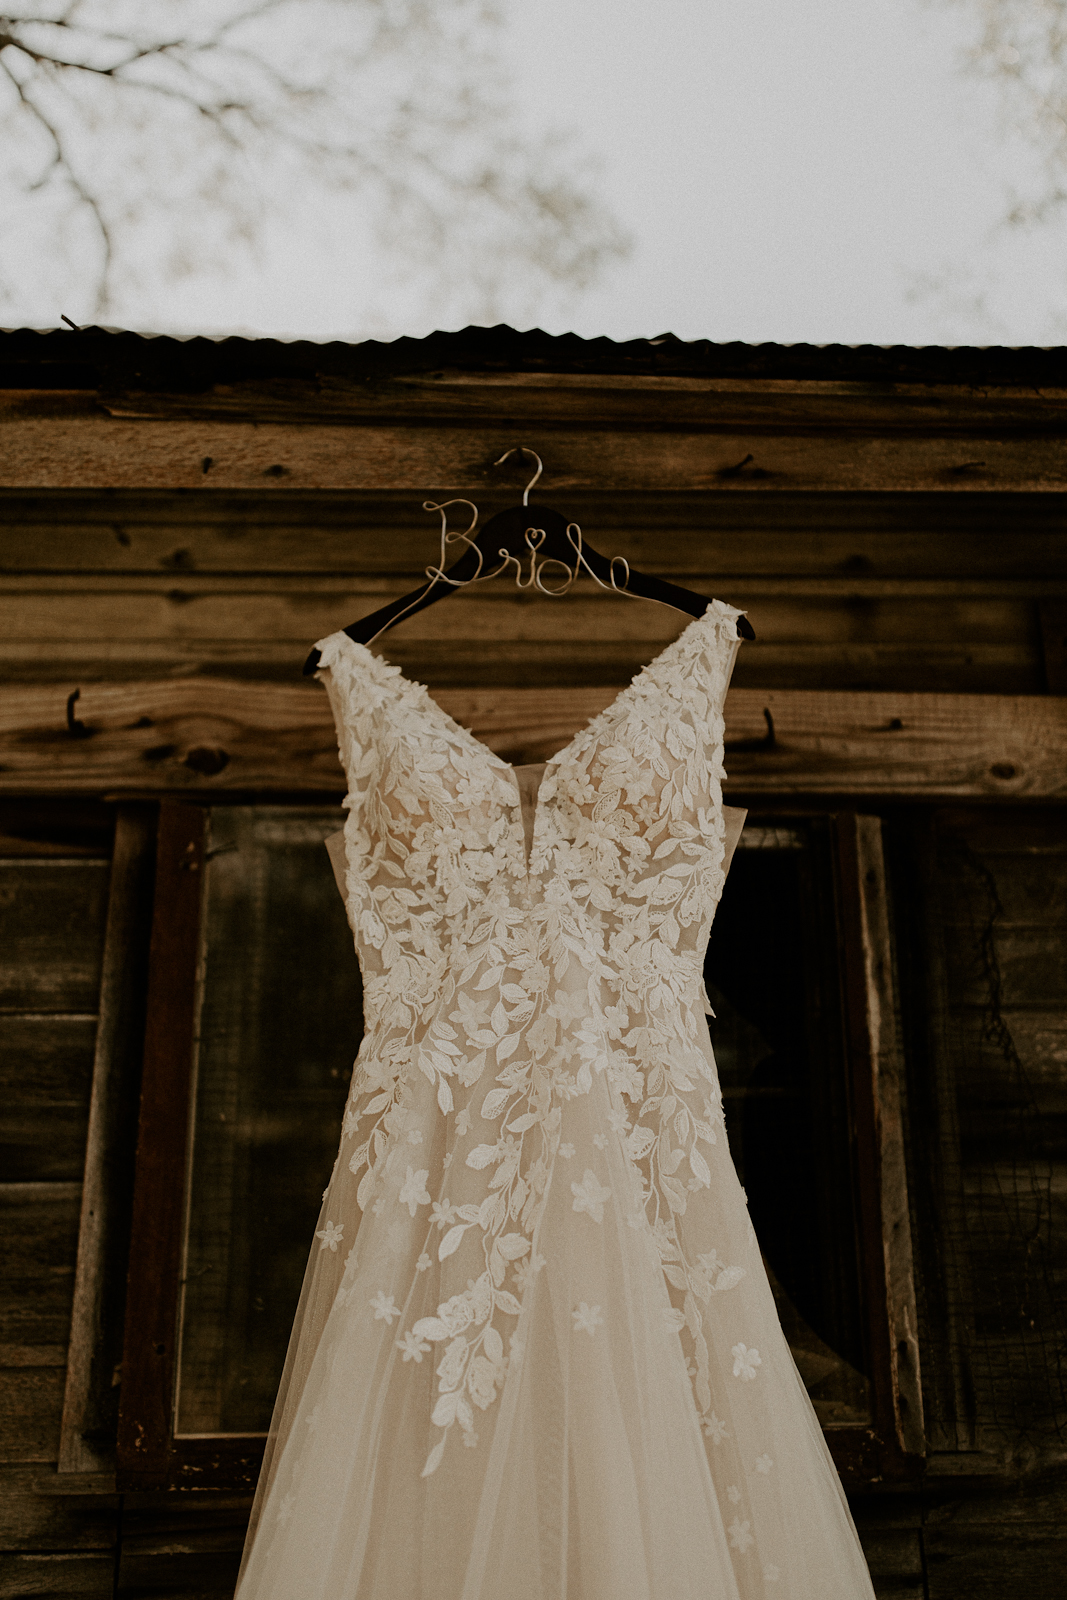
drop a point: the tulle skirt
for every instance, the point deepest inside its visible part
(589, 1473)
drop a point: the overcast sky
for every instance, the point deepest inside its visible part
(789, 170)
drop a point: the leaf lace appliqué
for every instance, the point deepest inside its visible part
(497, 990)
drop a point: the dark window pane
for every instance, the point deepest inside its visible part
(772, 979)
(279, 1025)
(1002, 914)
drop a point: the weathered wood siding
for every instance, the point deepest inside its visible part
(911, 592)
(53, 902)
(179, 523)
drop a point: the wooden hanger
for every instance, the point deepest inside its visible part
(542, 536)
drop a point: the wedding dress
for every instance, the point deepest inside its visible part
(536, 1355)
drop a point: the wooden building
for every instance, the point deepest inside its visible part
(179, 521)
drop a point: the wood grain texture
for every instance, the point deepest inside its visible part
(38, 1240)
(60, 829)
(51, 924)
(87, 1438)
(888, 1071)
(47, 1056)
(204, 735)
(895, 1561)
(928, 634)
(855, 596)
(860, 539)
(935, 1181)
(31, 1402)
(45, 1074)
(999, 1499)
(998, 1562)
(42, 1142)
(33, 1516)
(76, 1575)
(185, 1546)
(856, 851)
(100, 451)
(1002, 907)
(653, 402)
(144, 1423)
(33, 1355)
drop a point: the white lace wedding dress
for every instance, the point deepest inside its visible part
(536, 1355)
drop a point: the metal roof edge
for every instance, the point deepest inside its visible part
(107, 357)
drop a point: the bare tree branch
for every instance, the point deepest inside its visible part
(1020, 46)
(174, 123)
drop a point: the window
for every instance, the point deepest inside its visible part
(981, 893)
(254, 1020)
(278, 1024)
(774, 984)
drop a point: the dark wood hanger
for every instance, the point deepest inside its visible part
(514, 533)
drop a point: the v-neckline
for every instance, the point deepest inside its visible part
(717, 609)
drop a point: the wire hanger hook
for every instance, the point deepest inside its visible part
(523, 450)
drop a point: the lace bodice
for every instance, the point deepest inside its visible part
(508, 982)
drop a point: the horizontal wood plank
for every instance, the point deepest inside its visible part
(211, 614)
(52, 927)
(34, 1516)
(196, 1574)
(649, 400)
(185, 1548)
(862, 539)
(996, 1563)
(45, 1072)
(55, 830)
(38, 1243)
(46, 1057)
(99, 451)
(895, 1553)
(90, 628)
(1038, 1498)
(42, 1143)
(31, 1404)
(205, 735)
(33, 1355)
(80, 1575)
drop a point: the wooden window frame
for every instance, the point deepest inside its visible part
(151, 1456)
(892, 1446)
(148, 1455)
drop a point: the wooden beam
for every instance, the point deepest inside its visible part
(651, 401)
(815, 637)
(95, 1331)
(149, 1354)
(887, 1069)
(100, 451)
(859, 542)
(881, 1209)
(206, 735)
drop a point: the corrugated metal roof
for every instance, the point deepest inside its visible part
(94, 358)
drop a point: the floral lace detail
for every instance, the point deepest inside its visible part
(506, 986)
